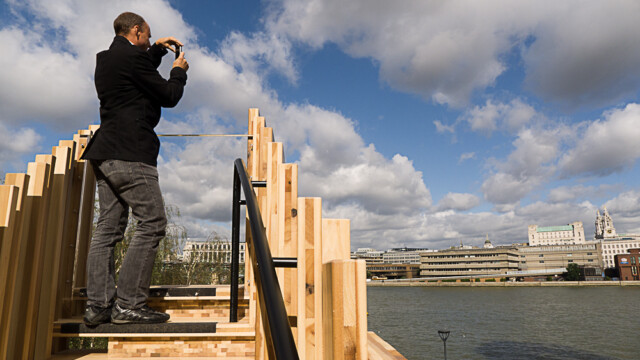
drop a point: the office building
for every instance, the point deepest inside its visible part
(557, 235)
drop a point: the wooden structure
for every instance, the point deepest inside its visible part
(46, 218)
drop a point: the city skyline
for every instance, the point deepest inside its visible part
(425, 123)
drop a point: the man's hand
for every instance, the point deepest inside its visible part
(181, 62)
(167, 42)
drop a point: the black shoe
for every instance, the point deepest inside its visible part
(96, 315)
(143, 315)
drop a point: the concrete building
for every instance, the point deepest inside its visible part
(210, 252)
(371, 256)
(618, 246)
(393, 271)
(557, 235)
(534, 258)
(402, 256)
(628, 264)
(469, 261)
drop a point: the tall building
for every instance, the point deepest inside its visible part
(557, 235)
(604, 226)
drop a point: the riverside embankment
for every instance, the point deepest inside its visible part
(505, 283)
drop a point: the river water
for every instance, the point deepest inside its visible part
(586, 323)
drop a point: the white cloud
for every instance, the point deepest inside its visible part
(571, 193)
(14, 143)
(43, 83)
(531, 163)
(458, 202)
(511, 117)
(466, 156)
(573, 52)
(605, 146)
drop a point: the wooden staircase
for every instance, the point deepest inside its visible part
(45, 228)
(199, 328)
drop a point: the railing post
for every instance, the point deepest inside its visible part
(235, 246)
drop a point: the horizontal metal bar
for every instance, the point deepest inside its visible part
(256, 184)
(206, 135)
(285, 262)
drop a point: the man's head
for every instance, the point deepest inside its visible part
(134, 28)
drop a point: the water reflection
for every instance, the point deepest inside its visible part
(509, 350)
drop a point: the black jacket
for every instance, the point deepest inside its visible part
(131, 93)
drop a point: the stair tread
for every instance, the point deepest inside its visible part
(102, 355)
(74, 327)
(178, 328)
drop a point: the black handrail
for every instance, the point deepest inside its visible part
(278, 333)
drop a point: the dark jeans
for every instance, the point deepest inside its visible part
(123, 185)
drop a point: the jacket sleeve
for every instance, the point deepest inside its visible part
(156, 52)
(165, 92)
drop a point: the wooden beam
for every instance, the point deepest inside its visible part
(85, 218)
(339, 310)
(310, 278)
(59, 199)
(288, 234)
(336, 243)
(40, 173)
(20, 283)
(8, 203)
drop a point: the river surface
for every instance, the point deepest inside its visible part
(594, 323)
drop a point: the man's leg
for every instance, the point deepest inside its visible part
(142, 194)
(110, 228)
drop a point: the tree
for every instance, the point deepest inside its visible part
(573, 272)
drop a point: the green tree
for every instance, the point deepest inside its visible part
(573, 272)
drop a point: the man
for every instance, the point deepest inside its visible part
(123, 153)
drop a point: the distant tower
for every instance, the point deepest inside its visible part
(487, 243)
(604, 226)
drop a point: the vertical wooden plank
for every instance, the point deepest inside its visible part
(8, 203)
(361, 310)
(68, 244)
(288, 234)
(248, 280)
(310, 278)
(339, 309)
(274, 160)
(336, 243)
(60, 197)
(18, 283)
(85, 216)
(39, 190)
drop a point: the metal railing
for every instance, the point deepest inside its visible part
(278, 333)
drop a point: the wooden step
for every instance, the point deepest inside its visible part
(102, 355)
(191, 339)
(204, 302)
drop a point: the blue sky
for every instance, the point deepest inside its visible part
(426, 123)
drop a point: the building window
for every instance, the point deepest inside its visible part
(541, 261)
(570, 261)
(541, 255)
